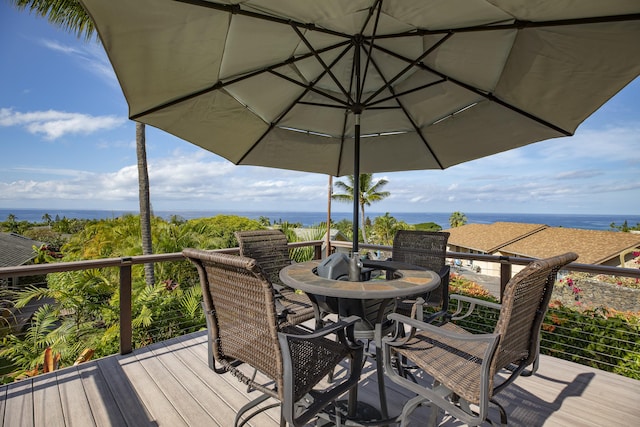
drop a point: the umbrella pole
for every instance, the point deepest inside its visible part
(328, 238)
(356, 264)
(356, 183)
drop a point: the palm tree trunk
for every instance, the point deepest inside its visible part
(363, 225)
(145, 202)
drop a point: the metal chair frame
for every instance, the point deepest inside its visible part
(244, 327)
(464, 365)
(271, 250)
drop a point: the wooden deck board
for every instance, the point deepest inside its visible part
(170, 384)
(128, 403)
(47, 404)
(212, 396)
(19, 404)
(104, 406)
(236, 388)
(160, 409)
(152, 359)
(75, 402)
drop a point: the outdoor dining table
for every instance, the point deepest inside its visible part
(406, 280)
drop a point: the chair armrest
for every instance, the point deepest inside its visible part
(491, 339)
(443, 314)
(338, 328)
(473, 302)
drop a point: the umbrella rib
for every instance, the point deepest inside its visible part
(319, 104)
(373, 35)
(408, 116)
(322, 63)
(221, 84)
(237, 10)
(412, 64)
(344, 122)
(297, 101)
(406, 92)
(310, 87)
(488, 96)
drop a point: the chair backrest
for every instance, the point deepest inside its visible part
(425, 249)
(239, 303)
(524, 306)
(268, 247)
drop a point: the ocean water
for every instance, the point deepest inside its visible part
(584, 221)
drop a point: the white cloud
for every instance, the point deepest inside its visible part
(90, 56)
(55, 124)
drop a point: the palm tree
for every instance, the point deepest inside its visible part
(11, 224)
(145, 202)
(70, 15)
(47, 219)
(457, 219)
(369, 193)
(67, 14)
(385, 228)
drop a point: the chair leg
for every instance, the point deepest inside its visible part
(381, 385)
(255, 402)
(411, 406)
(253, 377)
(503, 414)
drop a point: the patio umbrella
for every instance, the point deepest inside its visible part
(362, 86)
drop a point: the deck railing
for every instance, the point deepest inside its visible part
(125, 264)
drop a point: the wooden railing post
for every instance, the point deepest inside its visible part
(126, 330)
(505, 274)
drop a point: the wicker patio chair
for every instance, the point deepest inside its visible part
(270, 249)
(425, 249)
(463, 365)
(245, 326)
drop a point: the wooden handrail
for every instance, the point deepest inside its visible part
(125, 263)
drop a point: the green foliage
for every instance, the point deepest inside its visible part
(67, 14)
(53, 239)
(385, 227)
(370, 191)
(345, 227)
(220, 229)
(427, 226)
(461, 285)
(70, 226)
(625, 227)
(307, 234)
(457, 219)
(85, 308)
(600, 338)
(12, 225)
(26, 353)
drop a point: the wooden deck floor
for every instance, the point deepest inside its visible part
(170, 384)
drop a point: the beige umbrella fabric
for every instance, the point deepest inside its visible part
(432, 83)
(497, 75)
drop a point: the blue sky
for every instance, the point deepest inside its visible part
(67, 143)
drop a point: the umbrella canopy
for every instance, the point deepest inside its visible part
(348, 87)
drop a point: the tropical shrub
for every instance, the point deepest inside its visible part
(83, 312)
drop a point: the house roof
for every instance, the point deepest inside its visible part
(16, 249)
(592, 246)
(489, 238)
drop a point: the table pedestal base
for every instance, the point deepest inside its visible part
(366, 415)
